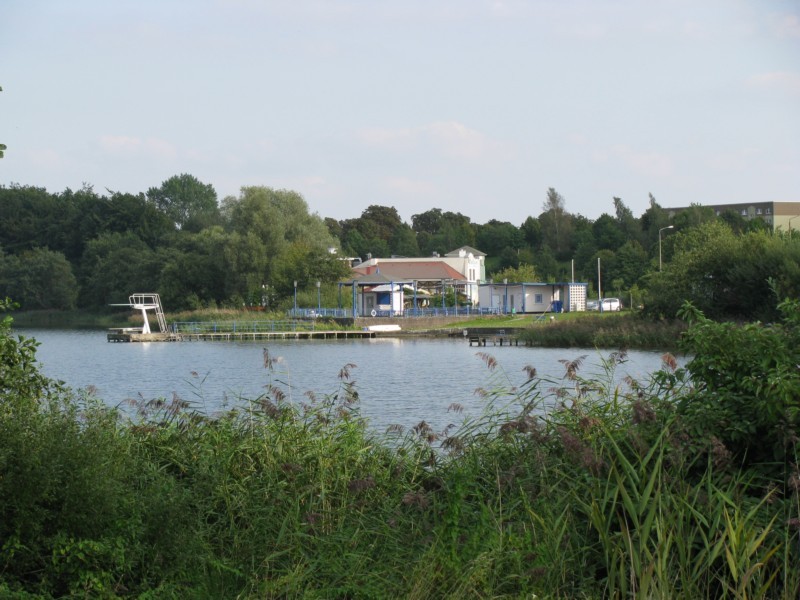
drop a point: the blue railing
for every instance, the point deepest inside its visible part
(241, 326)
(315, 313)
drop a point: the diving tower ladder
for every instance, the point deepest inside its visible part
(145, 302)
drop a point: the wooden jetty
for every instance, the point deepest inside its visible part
(219, 336)
(496, 337)
(136, 335)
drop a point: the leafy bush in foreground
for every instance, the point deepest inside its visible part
(569, 488)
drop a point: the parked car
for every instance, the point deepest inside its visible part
(609, 304)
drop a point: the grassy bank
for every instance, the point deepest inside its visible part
(567, 330)
(570, 488)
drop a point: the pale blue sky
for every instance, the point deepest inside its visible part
(465, 105)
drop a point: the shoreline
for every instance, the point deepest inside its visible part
(613, 330)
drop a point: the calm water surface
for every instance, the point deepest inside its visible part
(399, 380)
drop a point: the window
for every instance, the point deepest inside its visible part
(537, 298)
(758, 211)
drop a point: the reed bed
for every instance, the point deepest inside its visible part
(567, 488)
(611, 331)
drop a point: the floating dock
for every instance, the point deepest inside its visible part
(135, 334)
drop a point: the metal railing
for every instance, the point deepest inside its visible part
(189, 327)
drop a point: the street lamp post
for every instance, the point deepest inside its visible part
(294, 312)
(659, 243)
(319, 298)
(599, 288)
(505, 301)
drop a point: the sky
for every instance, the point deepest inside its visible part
(470, 106)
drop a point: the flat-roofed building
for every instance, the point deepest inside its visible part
(778, 215)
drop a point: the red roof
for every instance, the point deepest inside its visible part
(413, 270)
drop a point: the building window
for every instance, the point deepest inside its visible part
(758, 211)
(768, 211)
(744, 212)
(537, 298)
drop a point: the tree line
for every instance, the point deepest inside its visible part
(88, 250)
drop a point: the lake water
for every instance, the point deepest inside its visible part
(399, 380)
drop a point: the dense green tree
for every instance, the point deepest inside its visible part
(694, 216)
(190, 204)
(307, 265)
(404, 242)
(607, 233)
(278, 218)
(725, 275)
(524, 273)
(358, 244)
(495, 236)
(38, 279)
(378, 232)
(270, 225)
(628, 224)
(248, 265)
(532, 232)
(114, 266)
(334, 228)
(631, 263)
(608, 270)
(122, 213)
(193, 269)
(455, 230)
(546, 265)
(428, 222)
(651, 222)
(380, 221)
(745, 396)
(31, 219)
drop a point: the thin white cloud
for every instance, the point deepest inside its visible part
(648, 164)
(778, 80)
(448, 139)
(134, 146)
(788, 26)
(405, 186)
(47, 158)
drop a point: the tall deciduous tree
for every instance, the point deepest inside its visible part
(627, 222)
(270, 225)
(190, 204)
(555, 206)
(38, 279)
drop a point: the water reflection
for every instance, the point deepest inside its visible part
(399, 380)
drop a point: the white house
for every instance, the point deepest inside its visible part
(462, 268)
(508, 297)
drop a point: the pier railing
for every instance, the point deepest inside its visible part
(241, 326)
(438, 311)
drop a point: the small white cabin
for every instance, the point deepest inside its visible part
(508, 297)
